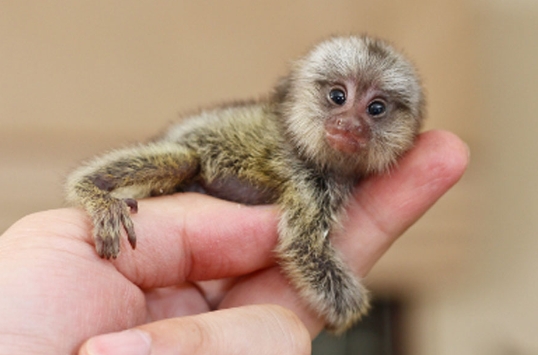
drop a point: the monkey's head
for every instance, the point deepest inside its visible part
(352, 104)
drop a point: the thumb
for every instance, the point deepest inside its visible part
(260, 329)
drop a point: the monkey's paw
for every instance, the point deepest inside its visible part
(345, 304)
(108, 221)
(338, 297)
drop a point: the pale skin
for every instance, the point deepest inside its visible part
(59, 297)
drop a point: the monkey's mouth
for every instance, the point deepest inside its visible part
(346, 141)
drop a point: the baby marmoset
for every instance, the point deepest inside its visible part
(347, 109)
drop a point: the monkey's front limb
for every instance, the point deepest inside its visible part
(314, 266)
(155, 168)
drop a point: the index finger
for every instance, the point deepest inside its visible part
(382, 208)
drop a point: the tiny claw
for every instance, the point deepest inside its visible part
(132, 204)
(107, 249)
(132, 241)
(127, 223)
(129, 229)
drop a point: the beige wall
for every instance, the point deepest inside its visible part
(492, 310)
(80, 77)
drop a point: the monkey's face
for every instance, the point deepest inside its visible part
(350, 119)
(354, 104)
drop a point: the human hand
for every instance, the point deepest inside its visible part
(57, 293)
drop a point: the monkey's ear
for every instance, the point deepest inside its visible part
(282, 89)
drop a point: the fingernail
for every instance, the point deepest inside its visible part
(128, 342)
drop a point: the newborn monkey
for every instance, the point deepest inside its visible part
(348, 109)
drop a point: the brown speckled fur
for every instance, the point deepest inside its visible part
(273, 151)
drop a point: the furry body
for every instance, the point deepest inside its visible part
(297, 149)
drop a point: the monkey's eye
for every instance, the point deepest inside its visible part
(338, 96)
(376, 108)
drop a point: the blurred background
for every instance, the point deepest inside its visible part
(81, 77)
